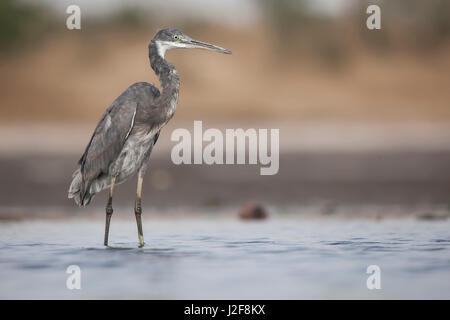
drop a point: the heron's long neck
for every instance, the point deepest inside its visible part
(168, 76)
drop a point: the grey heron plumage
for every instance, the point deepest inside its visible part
(127, 132)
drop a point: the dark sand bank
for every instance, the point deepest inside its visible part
(329, 180)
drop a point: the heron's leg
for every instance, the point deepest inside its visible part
(141, 173)
(138, 209)
(109, 209)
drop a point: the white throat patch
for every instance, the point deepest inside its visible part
(163, 46)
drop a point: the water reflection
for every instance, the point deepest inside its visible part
(284, 258)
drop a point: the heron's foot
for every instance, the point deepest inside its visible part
(109, 212)
(138, 214)
(141, 242)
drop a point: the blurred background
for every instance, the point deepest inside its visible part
(363, 114)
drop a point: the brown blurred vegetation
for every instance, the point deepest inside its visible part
(293, 64)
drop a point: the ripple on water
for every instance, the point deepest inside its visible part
(219, 260)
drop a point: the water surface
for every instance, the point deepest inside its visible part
(280, 258)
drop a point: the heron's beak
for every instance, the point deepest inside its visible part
(191, 43)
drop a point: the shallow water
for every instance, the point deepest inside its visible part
(222, 258)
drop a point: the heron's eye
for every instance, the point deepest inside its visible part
(176, 37)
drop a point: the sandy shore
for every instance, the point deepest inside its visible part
(403, 169)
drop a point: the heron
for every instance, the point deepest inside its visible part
(129, 129)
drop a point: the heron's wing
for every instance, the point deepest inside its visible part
(113, 130)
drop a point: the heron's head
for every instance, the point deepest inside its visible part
(171, 38)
